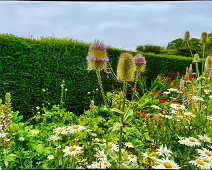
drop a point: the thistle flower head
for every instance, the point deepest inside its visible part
(187, 36)
(204, 37)
(196, 58)
(97, 56)
(208, 63)
(126, 68)
(140, 63)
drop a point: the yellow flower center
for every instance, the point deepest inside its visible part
(132, 156)
(101, 156)
(61, 130)
(205, 138)
(208, 153)
(200, 162)
(167, 165)
(110, 146)
(192, 140)
(106, 163)
(72, 149)
(76, 127)
(206, 160)
(54, 138)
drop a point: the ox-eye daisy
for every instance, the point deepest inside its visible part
(60, 130)
(200, 164)
(75, 128)
(190, 142)
(53, 138)
(101, 155)
(72, 150)
(129, 145)
(205, 138)
(163, 150)
(132, 158)
(205, 153)
(113, 146)
(166, 164)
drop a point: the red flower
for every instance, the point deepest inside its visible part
(133, 89)
(174, 102)
(149, 92)
(163, 75)
(162, 100)
(191, 78)
(173, 75)
(146, 115)
(139, 114)
(185, 77)
(176, 87)
(155, 93)
(178, 73)
(162, 112)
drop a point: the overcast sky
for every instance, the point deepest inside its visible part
(120, 24)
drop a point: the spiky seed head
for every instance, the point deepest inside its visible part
(187, 36)
(208, 63)
(126, 68)
(196, 58)
(204, 37)
(97, 56)
(190, 70)
(140, 63)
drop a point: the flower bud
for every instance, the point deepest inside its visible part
(140, 63)
(97, 56)
(126, 68)
(187, 36)
(204, 37)
(208, 63)
(196, 58)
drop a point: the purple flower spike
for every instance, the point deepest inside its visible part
(140, 60)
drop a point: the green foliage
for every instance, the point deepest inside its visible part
(150, 49)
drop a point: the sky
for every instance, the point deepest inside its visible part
(119, 24)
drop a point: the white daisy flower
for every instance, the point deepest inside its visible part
(189, 114)
(166, 92)
(205, 153)
(101, 155)
(129, 145)
(172, 90)
(106, 164)
(96, 140)
(93, 166)
(145, 155)
(80, 167)
(174, 106)
(21, 139)
(53, 138)
(60, 130)
(75, 128)
(173, 112)
(156, 107)
(72, 150)
(50, 157)
(94, 134)
(35, 132)
(200, 164)
(209, 118)
(167, 116)
(205, 138)
(132, 158)
(166, 164)
(190, 142)
(163, 150)
(113, 146)
(88, 130)
(210, 96)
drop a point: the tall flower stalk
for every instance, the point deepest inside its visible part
(140, 65)
(196, 61)
(125, 74)
(97, 60)
(187, 38)
(204, 39)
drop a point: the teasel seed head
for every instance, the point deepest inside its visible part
(196, 58)
(126, 68)
(204, 37)
(190, 70)
(97, 56)
(140, 63)
(208, 63)
(187, 36)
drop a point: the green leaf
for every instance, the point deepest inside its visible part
(116, 110)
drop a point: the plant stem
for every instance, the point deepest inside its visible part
(136, 81)
(122, 122)
(197, 69)
(203, 56)
(189, 49)
(101, 87)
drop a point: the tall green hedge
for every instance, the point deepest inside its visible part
(28, 65)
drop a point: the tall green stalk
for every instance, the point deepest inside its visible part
(136, 81)
(203, 56)
(197, 69)
(122, 121)
(101, 87)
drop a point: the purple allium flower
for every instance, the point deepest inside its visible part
(98, 59)
(140, 60)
